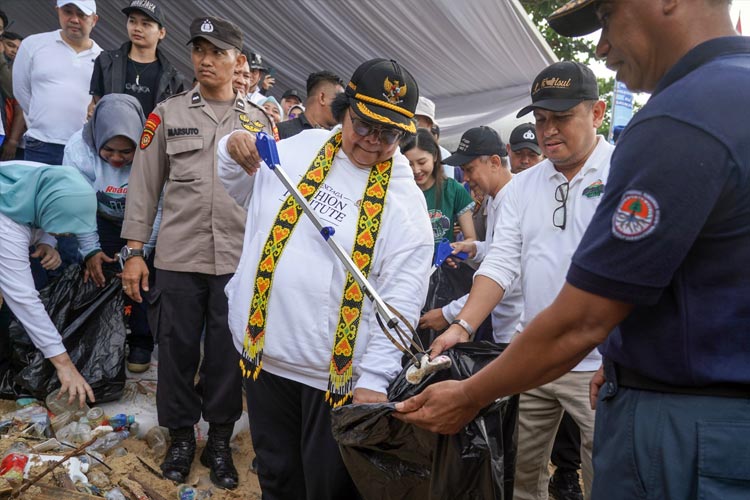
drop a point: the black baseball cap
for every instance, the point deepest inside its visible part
(475, 142)
(146, 7)
(382, 91)
(575, 18)
(560, 86)
(256, 62)
(222, 33)
(292, 93)
(524, 137)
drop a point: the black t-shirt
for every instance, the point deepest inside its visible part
(141, 81)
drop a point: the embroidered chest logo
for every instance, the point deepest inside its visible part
(394, 91)
(152, 123)
(636, 217)
(594, 190)
(251, 126)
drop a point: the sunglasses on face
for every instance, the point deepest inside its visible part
(385, 135)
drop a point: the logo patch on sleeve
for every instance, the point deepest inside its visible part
(636, 217)
(152, 123)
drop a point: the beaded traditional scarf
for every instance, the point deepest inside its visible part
(368, 226)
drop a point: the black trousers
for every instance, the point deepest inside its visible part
(111, 243)
(184, 304)
(566, 451)
(298, 459)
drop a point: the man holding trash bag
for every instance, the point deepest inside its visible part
(308, 338)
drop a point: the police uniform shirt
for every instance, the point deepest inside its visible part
(672, 234)
(202, 227)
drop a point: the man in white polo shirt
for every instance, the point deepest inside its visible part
(544, 214)
(51, 76)
(55, 69)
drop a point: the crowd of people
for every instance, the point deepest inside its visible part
(613, 277)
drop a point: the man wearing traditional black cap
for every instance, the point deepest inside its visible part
(138, 67)
(542, 218)
(660, 279)
(199, 245)
(523, 148)
(308, 339)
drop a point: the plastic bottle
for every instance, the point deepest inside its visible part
(108, 441)
(120, 421)
(187, 492)
(157, 441)
(57, 406)
(115, 494)
(82, 431)
(14, 461)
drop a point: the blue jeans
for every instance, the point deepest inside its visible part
(43, 152)
(655, 445)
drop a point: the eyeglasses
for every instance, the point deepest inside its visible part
(384, 134)
(560, 215)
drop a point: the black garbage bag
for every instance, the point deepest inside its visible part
(91, 321)
(446, 285)
(389, 459)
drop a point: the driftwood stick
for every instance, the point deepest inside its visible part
(27, 483)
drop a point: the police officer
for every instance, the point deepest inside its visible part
(200, 242)
(663, 267)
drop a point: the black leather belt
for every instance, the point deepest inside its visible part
(634, 380)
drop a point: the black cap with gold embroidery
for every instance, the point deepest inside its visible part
(575, 18)
(562, 85)
(381, 91)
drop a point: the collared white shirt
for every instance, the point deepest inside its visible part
(507, 313)
(532, 246)
(51, 83)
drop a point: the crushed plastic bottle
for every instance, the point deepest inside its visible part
(108, 441)
(115, 494)
(156, 437)
(58, 406)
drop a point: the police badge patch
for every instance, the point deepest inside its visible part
(152, 123)
(250, 126)
(636, 217)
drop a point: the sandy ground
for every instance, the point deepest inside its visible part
(129, 464)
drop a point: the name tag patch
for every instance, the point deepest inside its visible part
(174, 132)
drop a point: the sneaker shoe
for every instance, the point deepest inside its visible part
(139, 359)
(565, 485)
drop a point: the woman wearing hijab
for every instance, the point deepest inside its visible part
(103, 151)
(56, 200)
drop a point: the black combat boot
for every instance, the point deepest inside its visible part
(217, 456)
(179, 458)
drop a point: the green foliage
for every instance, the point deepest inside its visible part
(566, 49)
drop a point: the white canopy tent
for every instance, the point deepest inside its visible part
(475, 58)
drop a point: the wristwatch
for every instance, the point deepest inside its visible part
(465, 325)
(128, 253)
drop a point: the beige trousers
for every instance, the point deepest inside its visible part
(540, 412)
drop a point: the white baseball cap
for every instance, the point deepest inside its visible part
(88, 7)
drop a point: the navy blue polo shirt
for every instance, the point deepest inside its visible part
(672, 232)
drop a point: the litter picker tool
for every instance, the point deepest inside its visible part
(387, 316)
